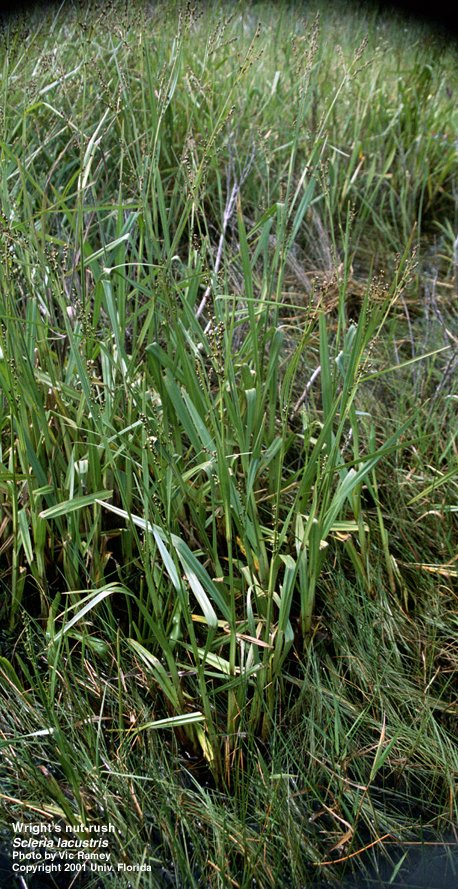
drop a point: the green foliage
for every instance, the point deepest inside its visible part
(227, 459)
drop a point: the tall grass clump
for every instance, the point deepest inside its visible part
(228, 461)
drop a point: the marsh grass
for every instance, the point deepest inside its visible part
(228, 459)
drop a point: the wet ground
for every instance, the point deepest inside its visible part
(418, 867)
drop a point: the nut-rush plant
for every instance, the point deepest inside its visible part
(229, 496)
(253, 496)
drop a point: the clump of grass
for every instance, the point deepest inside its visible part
(217, 480)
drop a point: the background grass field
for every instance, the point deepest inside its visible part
(228, 450)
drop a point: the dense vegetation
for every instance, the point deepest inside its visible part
(228, 452)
